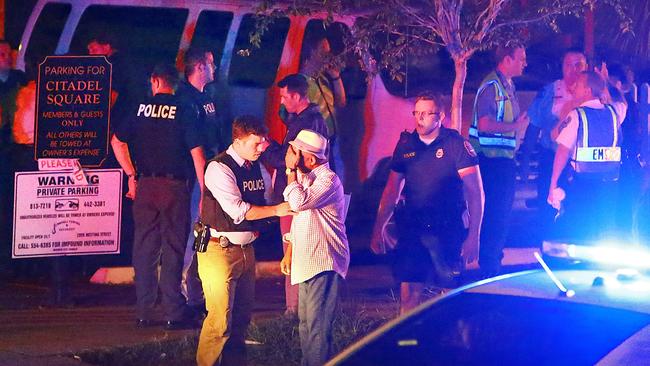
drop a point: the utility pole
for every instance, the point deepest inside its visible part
(589, 33)
(3, 13)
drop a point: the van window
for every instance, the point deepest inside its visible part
(211, 32)
(257, 67)
(422, 72)
(16, 16)
(147, 35)
(47, 31)
(354, 79)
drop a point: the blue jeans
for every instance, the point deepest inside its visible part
(317, 300)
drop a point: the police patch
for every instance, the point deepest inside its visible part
(469, 148)
(440, 153)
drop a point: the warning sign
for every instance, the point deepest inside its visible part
(55, 214)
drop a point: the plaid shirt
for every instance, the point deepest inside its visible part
(318, 238)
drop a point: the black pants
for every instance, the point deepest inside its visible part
(545, 213)
(499, 185)
(429, 252)
(589, 210)
(161, 216)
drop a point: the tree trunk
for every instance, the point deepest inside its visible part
(460, 66)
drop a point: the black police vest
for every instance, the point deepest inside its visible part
(251, 187)
(598, 152)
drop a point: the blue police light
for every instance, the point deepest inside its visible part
(609, 253)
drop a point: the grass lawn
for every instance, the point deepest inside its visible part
(275, 341)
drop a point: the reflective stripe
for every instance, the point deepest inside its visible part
(493, 140)
(615, 121)
(501, 101)
(585, 126)
(498, 142)
(598, 154)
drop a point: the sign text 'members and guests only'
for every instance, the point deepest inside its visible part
(73, 109)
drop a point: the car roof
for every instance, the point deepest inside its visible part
(607, 288)
(612, 290)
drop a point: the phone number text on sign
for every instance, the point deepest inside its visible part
(56, 215)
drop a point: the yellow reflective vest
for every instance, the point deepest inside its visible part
(494, 145)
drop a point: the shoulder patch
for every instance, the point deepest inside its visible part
(563, 124)
(469, 148)
(404, 137)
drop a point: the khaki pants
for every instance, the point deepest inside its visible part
(228, 277)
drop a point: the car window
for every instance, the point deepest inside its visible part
(253, 66)
(47, 31)
(147, 35)
(479, 329)
(211, 32)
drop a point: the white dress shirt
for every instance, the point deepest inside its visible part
(317, 236)
(222, 183)
(561, 98)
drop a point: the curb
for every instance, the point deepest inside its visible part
(125, 275)
(271, 269)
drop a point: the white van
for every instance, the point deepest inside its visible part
(161, 30)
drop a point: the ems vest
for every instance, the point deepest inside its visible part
(494, 145)
(597, 153)
(251, 187)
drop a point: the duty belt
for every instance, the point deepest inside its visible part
(224, 242)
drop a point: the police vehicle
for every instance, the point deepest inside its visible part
(537, 317)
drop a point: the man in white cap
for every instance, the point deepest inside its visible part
(318, 254)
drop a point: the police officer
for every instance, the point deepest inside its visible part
(435, 164)
(232, 201)
(162, 137)
(589, 138)
(496, 122)
(199, 72)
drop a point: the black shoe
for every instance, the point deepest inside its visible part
(144, 323)
(197, 312)
(182, 324)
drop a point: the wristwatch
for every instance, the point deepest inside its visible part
(289, 171)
